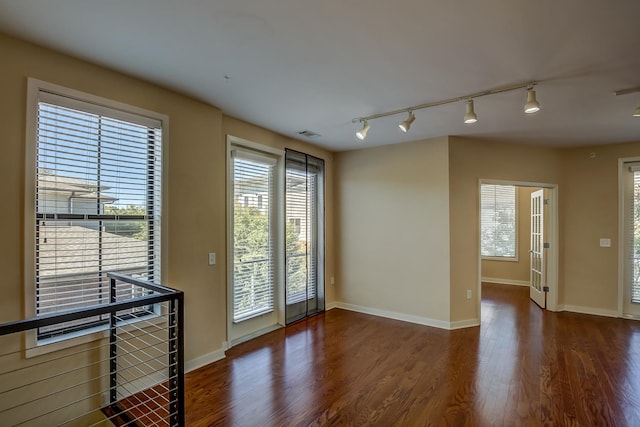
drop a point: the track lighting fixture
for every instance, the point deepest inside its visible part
(532, 105)
(636, 112)
(470, 116)
(362, 133)
(404, 126)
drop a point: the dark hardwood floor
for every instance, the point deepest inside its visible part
(523, 366)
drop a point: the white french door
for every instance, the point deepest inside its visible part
(537, 261)
(631, 240)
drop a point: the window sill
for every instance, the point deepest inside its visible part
(253, 315)
(39, 347)
(499, 258)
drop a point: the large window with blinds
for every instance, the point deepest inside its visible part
(304, 246)
(98, 190)
(498, 221)
(254, 239)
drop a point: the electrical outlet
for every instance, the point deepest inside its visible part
(212, 258)
(469, 294)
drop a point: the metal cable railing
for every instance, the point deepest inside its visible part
(131, 374)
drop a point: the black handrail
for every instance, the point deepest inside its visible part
(143, 283)
(43, 320)
(176, 327)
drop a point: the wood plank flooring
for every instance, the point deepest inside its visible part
(523, 367)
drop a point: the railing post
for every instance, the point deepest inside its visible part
(176, 360)
(113, 365)
(181, 389)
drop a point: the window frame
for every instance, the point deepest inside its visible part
(233, 142)
(516, 257)
(246, 154)
(33, 345)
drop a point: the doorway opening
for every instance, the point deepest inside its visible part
(519, 239)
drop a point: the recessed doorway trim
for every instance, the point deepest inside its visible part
(553, 239)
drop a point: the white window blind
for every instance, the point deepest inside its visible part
(498, 224)
(303, 174)
(304, 248)
(253, 238)
(634, 237)
(98, 204)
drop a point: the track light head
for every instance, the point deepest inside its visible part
(404, 126)
(532, 105)
(637, 112)
(362, 133)
(470, 116)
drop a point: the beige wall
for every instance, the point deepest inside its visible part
(369, 186)
(195, 219)
(393, 240)
(196, 190)
(590, 212)
(469, 161)
(515, 271)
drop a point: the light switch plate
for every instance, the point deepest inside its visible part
(212, 258)
(605, 243)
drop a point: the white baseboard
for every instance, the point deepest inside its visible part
(505, 281)
(330, 306)
(201, 361)
(461, 324)
(588, 310)
(407, 317)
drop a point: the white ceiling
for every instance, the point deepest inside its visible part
(302, 64)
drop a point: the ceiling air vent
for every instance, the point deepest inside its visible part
(308, 134)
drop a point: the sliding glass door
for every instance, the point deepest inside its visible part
(276, 238)
(304, 235)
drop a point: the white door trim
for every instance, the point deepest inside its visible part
(553, 239)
